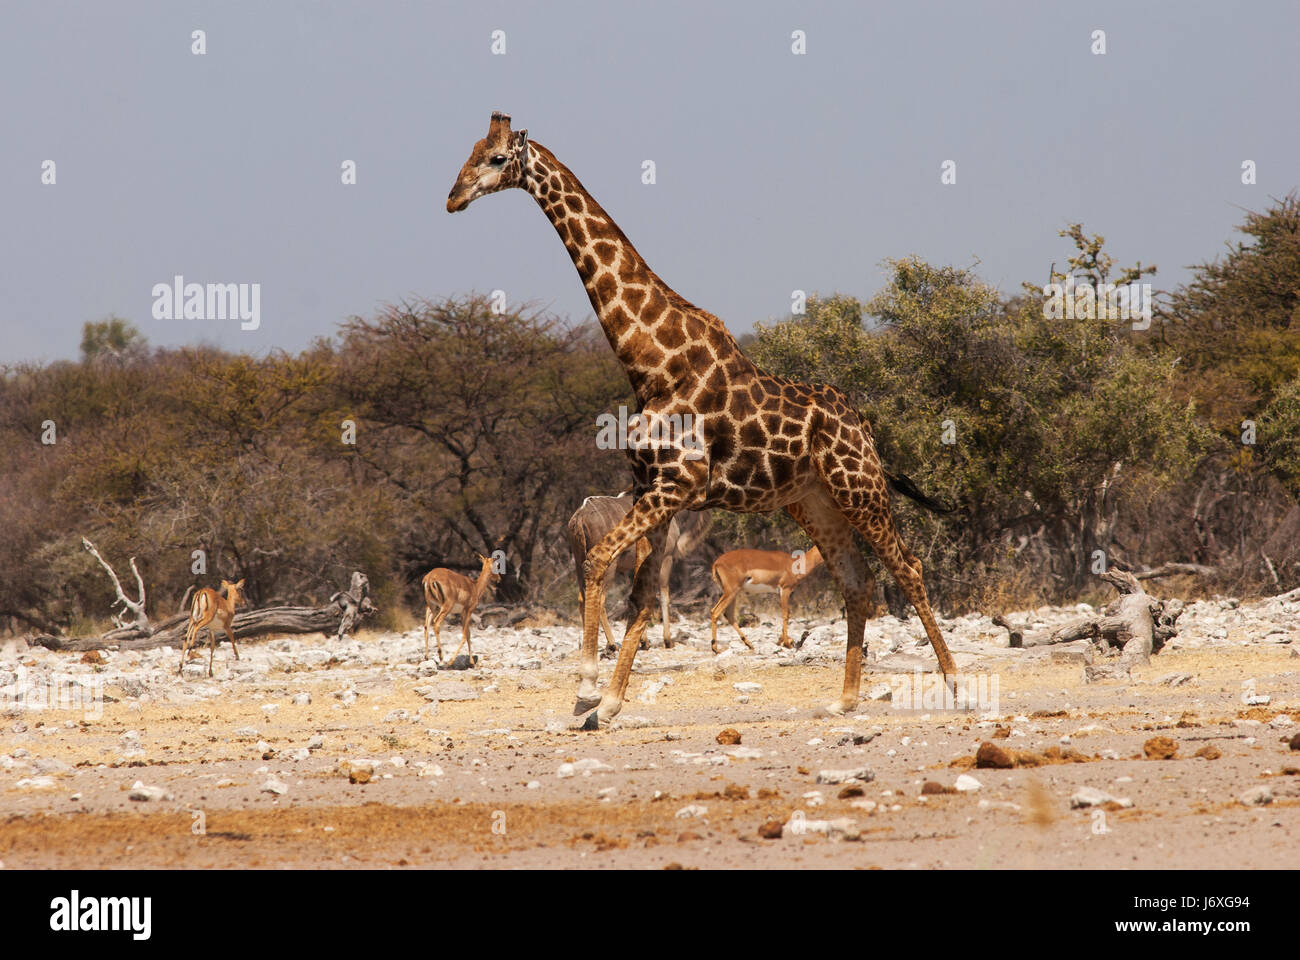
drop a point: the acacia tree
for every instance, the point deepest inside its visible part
(484, 421)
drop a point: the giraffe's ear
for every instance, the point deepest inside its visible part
(519, 139)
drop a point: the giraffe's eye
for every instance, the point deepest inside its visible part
(498, 161)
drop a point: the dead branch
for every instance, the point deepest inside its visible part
(135, 606)
(1170, 569)
(337, 618)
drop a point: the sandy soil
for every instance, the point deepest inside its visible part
(466, 783)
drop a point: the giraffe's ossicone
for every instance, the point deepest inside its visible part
(734, 437)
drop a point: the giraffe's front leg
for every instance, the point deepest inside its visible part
(649, 518)
(644, 584)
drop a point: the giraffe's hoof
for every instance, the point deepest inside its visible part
(585, 704)
(591, 721)
(607, 711)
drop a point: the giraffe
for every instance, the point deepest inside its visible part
(755, 443)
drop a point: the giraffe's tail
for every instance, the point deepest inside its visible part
(904, 485)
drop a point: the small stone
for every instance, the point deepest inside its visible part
(967, 784)
(301, 699)
(1256, 797)
(245, 733)
(38, 783)
(771, 830)
(1259, 700)
(1092, 797)
(270, 708)
(316, 742)
(146, 794)
(693, 810)
(852, 790)
(864, 774)
(357, 771)
(1209, 752)
(991, 756)
(728, 737)
(880, 691)
(565, 771)
(1160, 748)
(589, 765)
(533, 785)
(277, 787)
(748, 687)
(930, 787)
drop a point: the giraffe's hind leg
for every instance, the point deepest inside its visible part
(863, 498)
(821, 518)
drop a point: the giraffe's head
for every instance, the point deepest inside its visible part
(496, 163)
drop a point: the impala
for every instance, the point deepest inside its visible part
(765, 569)
(446, 592)
(209, 605)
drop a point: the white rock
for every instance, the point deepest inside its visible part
(589, 765)
(1092, 797)
(864, 774)
(748, 687)
(565, 771)
(35, 783)
(277, 787)
(301, 699)
(694, 810)
(880, 691)
(146, 794)
(1256, 796)
(967, 784)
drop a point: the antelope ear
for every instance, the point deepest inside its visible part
(240, 584)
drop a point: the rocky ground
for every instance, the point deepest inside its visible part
(307, 752)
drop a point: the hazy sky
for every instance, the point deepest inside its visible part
(774, 171)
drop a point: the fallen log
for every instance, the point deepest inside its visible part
(1134, 626)
(1170, 569)
(337, 618)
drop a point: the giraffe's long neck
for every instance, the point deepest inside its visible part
(633, 305)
